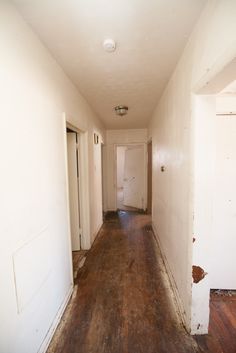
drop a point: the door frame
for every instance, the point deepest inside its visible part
(204, 109)
(149, 177)
(84, 206)
(74, 176)
(144, 145)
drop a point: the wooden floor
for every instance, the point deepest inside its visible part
(122, 302)
(78, 258)
(222, 326)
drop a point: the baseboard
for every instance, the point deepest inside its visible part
(44, 346)
(173, 285)
(110, 210)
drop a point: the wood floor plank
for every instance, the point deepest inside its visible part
(222, 331)
(123, 302)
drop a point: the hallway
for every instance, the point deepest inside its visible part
(81, 80)
(123, 302)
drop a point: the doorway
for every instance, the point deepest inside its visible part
(149, 178)
(74, 192)
(74, 185)
(130, 177)
(218, 154)
(78, 208)
(103, 164)
(214, 198)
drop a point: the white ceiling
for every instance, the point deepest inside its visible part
(150, 36)
(229, 90)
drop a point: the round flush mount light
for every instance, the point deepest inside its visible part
(109, 45)
(121, 110)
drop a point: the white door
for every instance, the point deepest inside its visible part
(73, 175)
(134, 177)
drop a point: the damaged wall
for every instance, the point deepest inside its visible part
(211, 46)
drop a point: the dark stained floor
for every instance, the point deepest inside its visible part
(78, 258)
(122, 302)
(222, 326)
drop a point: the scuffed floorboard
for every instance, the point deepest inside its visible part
(222, 325)
(123, 303)
(78, 261)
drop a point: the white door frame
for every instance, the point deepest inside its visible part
(74, 196)
(144, 145)
(83, 186)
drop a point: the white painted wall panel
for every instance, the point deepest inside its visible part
(32, 267)
(34, 94)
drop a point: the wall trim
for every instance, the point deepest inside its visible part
(95, 234)
(179, 304)
(44, 346)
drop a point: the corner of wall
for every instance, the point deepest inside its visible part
(179, 304)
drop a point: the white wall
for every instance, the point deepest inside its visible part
(34, 261)
(114, 138)
(120, 165)
(211, 46)
(223, 245)
(223, 259)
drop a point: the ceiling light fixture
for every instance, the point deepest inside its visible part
(109, 45)
(121, 110)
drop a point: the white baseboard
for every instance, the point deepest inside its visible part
(177, 298)
(44, 346)
(95, 235)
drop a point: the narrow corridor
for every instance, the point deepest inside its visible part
(123, 303)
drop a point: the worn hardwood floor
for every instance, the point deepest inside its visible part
(78, 258)
(222, 326)
(122, 302)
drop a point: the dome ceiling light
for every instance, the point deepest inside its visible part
(121, 110)
(109, 45)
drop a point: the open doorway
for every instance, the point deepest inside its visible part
(74, 189)
(223, 260)
(149, 178)
(130, 177)
(103, 164)
(214, 241)
(221, 191)
(74, 172)
(224, 192)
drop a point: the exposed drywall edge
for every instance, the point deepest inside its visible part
(179, 304)
(44, 346)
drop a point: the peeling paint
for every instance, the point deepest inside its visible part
(198, 274)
